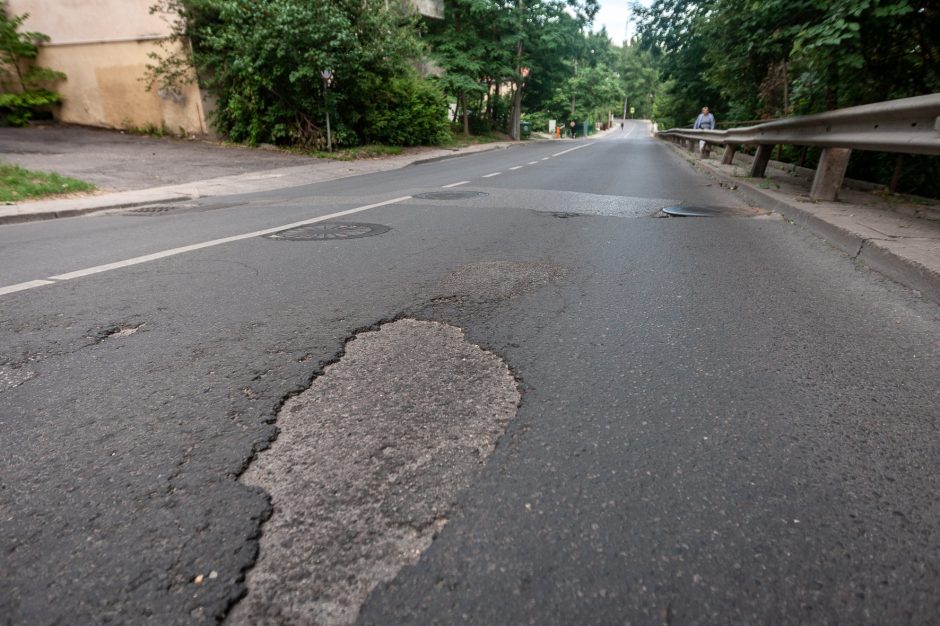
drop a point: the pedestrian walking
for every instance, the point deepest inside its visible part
(704, 121)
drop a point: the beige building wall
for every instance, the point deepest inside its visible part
(102, 46)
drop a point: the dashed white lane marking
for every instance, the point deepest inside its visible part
(518, 167)
(463, 182)
(492, 175)
(190, 248)
(22, 286)
(533, 162)
(584, 145)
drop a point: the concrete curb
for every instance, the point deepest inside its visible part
(274, 179)
(875, 253)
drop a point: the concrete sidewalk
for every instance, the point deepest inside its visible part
(125, 168)
(894, 235)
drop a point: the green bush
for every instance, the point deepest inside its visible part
(409, 112)
(23, 85)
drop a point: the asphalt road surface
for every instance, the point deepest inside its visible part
(529, 400)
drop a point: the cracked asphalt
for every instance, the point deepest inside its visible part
(721, 420)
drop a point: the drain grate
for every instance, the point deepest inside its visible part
(329, 231)
(449, 195)
(156, 209)
(151, 210)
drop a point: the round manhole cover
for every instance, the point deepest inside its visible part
(448, 195)
(326, 231)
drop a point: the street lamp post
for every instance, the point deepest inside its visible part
(327, 76)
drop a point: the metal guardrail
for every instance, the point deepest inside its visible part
(905, 126)
(908, 126)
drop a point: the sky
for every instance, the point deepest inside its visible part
(614, 15)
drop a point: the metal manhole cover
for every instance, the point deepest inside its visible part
(449, 195)
(327, 231)
(687, 210)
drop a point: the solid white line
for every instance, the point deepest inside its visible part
(463, 182)
(216, 242)
(584, 145)
(518, 167)
(22, 286)
(492, 175)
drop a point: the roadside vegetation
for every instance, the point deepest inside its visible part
(18, 184)
(750, 61)
(25, 87)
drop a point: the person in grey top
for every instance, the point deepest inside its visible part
(705, 120)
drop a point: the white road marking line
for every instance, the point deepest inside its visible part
(463, 182)
(546, 158)
(518, 167)
(492, 175)
(196, 246)
(533, 162)
(22, 286)
(584, 145)
(630, 132)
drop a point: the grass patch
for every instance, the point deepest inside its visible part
(460, 140)
(18, 184)
(372, 151)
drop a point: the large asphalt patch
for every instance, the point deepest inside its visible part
(367, 466)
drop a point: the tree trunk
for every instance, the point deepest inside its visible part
(466, 117)
(516, 113)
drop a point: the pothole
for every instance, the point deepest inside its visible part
(11, 377)
(448, 195)
(367, 467)
(119, 331)
(329, 231)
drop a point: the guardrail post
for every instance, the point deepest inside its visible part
(830, 173)
(761, 159)
(728, 157)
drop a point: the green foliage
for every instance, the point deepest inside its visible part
(409, 112)
(483, 46)
(18, 184)
(23, 84)
(262, 60)
(751, 60)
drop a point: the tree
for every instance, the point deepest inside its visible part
(262, 60)
(23, 84)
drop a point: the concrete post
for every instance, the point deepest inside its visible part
(761, 159)
(728, 157)
(830, 173)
